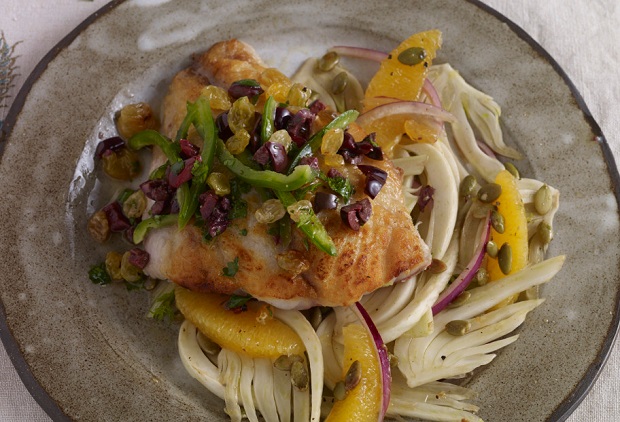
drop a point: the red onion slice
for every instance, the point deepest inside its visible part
(413, 108)
(382, 354)
(431, 93)
(463, 280)
(359, 53)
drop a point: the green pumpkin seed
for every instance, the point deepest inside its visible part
(504, 258)
(468, 184)
(412, 56)
(315, 317)
(482, 276)
(340, 391)
(328, 61)
(489, 192)
(458, 327)
(492, 249)
(497, 221)
(299, 376)
(545, 232)
(437, 266)
(339, 84)
(543, 200)
(512, 170)
(284, 362)
(460, 299)
(353, 376)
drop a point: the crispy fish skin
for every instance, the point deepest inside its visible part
(386, 249)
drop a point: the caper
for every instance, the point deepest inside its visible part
(299, 376)
(135, 204)
(482, 276)
(353, 376)
(113, 265)
(468, 184)
(497, 221)
(99, 227)
(545, 232)
(458, 327)
(134, 118)
(122, 164)
(339, 84)
(492, 249)
(207, 345)
(460, 299)
(512, 170)
(504, 258)
(543, 200)
(437, 266)
(328, 61)
(340, 391)
(129, 272)
(489, 192)
(412, 56)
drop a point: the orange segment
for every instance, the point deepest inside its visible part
(252, 332)
(403, 81)
(363, 402)
(510, 206)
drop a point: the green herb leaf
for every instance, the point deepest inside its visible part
(99, 275)
(342, 186)
(243, 232)
(164, 307)
(231, 268)
(238, 206)
(236, 302)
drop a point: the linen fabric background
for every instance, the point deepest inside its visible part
(582, 35)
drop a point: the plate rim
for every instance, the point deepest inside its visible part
(561, 412)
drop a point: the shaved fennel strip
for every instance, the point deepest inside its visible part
(301, 405)
(195, 362)
(263, 389)
(282, 392)
(304, 330)
(230, 373)
(333, 367)
(428, 288)
(245, 387)
(439, 175)
(401, 295)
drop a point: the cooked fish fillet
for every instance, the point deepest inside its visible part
(386, 249)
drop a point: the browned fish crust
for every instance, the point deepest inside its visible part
(387, 248)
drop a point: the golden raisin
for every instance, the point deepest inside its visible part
(271, 211)
(271, 76)
(218, 97)
(99, 227)
(241, 115)
(299, 209)
(113, 265)
(278, 91)
(237, 143)
(134, 118)
(123, 164)
(292, 262)
(282, 137)
(332, 141)
(298, 95)
(219, 182)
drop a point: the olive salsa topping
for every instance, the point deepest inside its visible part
(255, 143)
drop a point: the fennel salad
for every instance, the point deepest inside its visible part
(330, 251)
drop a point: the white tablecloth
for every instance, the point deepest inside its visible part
(582, 35)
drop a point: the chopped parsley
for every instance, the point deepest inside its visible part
(237, 302)
(99, 275)
(238, 206)
(340, 185)
(164, 307)
(231, 268)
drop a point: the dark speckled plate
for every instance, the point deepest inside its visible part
(88, 353)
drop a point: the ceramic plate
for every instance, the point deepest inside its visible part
(89, 353)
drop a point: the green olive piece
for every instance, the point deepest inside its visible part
(328, 61)
(489, 192)
(412, 56)
(122, 164)
(504, 258)
(468, 185)
(543, 200)
(98, 226)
